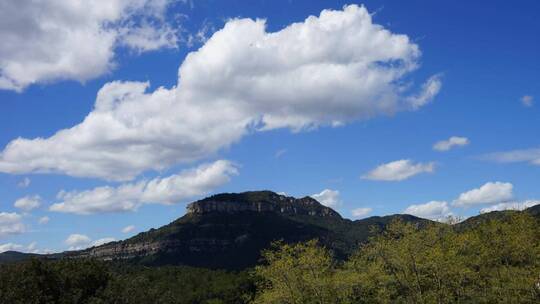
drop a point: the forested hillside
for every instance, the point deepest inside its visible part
(494, 261)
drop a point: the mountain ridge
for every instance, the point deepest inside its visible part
(229, 230)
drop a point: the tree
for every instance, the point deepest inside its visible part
(494, 261)
(299, 273)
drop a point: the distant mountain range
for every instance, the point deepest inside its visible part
(229, 230)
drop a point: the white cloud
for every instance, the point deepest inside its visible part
(43, 220)
(80, 241)
(361, 212)
(77, 241)
(531, 156)
(330, 70)
(129, 197)
(202, 35)
(10, 247)
(279, 153)
(44, 41)
(128, 229)
(24, 183)
(527, 100)
(44, 251)
(327, 197)
(399, 170)
(511, 206)
(28, 203)
(429, 90)
(434, 210)
(148, 37)
(454, 141)
(489, 193)
(11, 223)
(31, 248)
(103, 241)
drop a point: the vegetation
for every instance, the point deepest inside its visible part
(496, 262)
(90, 281)
(493, 261)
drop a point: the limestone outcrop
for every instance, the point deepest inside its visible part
(261, 201)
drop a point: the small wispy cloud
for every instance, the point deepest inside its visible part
(24, 183)
(454, 141)
(531, 156)
(361, 212)
(202, 35)
(430, 89)
(78, 241)
(128, 229)
(527, 100)
(43, 220)
(279, 153)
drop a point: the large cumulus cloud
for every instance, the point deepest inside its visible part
(48, 40)
(329, 70)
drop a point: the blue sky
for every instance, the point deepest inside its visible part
(254, 120)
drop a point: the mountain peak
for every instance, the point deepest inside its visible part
(261, 202)
(229, 230)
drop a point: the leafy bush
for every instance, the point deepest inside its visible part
(496, 262)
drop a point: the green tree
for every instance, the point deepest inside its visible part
(496, 261)
(409, 264)
(299, 273)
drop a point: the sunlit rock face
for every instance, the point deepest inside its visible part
(260, 201)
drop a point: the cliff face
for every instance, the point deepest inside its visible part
(222, 231)
(229, 231)
(260, 201)
(140, 250)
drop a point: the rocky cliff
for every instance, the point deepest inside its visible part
(229, 231)
(217, 230)
(260, 201)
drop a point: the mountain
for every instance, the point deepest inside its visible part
(534, 210)
(15, 256)
(229, 231)
(474, 221)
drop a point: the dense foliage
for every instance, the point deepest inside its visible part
(493, 261)
(496, 262)
(90, 281)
